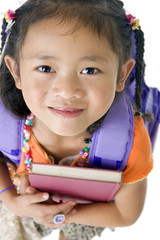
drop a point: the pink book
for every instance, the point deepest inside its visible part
(84, 185)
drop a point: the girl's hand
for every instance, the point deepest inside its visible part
(33, 206)
(38, 205)
(26, 188)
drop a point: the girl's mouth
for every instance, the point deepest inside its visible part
(66, 112)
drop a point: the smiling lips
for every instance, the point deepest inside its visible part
(66, 112)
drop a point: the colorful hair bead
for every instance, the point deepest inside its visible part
(135, 24)
(28, 154)
(26, 149)
(86, 154)
(81, 152)
(27, 161)
(29, 122)
(30, 117)
(25, 140)
(132, 21)
(27, 135)
(86, 149)
(26, 146)
(27, 127)
(10, 15)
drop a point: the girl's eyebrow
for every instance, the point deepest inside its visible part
(85, 58)
(94, 58)
(45, 57)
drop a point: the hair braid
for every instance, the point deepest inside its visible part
(139, 74)
(92, 128)
(3, 33)
(139, 37)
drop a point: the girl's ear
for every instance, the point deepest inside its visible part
(13, 68)
(126, 69)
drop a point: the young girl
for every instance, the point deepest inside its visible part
(65, 62)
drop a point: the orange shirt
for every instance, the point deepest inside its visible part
(139, 164)
(140, 161)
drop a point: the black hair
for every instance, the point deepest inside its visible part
(107, 18)
(139, 67)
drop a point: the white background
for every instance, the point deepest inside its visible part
(148, 225)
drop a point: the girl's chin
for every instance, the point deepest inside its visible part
(68, 130)
(67, 133)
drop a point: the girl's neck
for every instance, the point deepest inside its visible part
(56, 145)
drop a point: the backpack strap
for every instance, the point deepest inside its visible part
(112, 141)
(151, 104)
(150, 99)
(11, 134)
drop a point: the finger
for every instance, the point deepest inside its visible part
(72, 212)
(24, 184)
(66, 207)
(46, 212)
(37, 198)
(31, 190)
(63, 208)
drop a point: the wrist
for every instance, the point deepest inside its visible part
(8, 193)
(8, 188)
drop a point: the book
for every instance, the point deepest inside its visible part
(84, 185)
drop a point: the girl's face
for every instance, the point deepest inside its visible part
(68, 78)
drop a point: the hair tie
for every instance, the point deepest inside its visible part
(9, 15)
(10, 19)
(132, 21)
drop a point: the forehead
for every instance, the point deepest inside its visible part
(57, 27)
(50, 34)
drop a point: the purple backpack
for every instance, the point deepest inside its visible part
(150, 104)
(115, 133)
(11, 132)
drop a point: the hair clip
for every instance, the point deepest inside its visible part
(9, 15)
(132, 21)
(10, 19)
(149, 117)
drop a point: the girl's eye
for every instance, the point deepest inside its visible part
(45, 69)
(90, 71)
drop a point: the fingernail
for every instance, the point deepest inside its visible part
(45, 195)
(73, 204)
(29, 189)
(74, 211)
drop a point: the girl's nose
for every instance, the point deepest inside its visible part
(68, 87)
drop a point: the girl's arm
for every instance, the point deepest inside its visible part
(5, 181)
(123, 211)
(31, 205)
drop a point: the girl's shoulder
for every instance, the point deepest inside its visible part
(140, 161)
